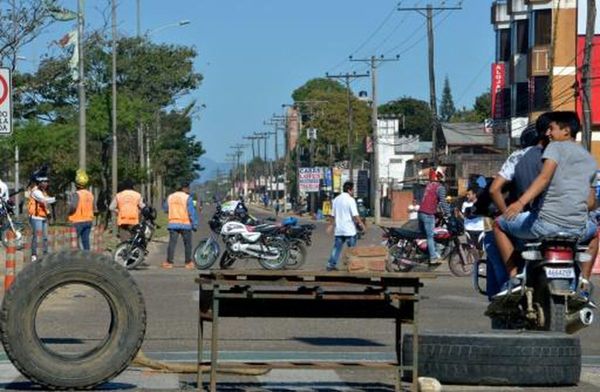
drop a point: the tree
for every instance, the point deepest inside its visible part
(481, 110)
(447, 108)
(417, 115)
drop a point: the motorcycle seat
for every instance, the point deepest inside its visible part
(405, 233)
(561, 237)
(266, 228)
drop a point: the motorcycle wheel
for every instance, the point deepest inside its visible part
(462, 259)
(281, 261)
(206, 253)
(553, 307)
(297, 256)
(227, 260)
(128, 257)
(394, 261)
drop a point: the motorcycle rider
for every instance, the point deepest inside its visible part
(127, 204)
(39, 210)
(434, 198)
(566, 169)
(345, 218)
(473, 222)
(81, 209)
(183, 218)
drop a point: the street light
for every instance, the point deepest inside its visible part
(183, 22)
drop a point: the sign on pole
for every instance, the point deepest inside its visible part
(5, 102)
(309, 178)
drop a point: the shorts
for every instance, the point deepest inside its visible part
(528, 226)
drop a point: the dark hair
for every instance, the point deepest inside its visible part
(567, 119)
(543, 123)
(529, 137)
(184, 184)
(348, 185)
(127, 184)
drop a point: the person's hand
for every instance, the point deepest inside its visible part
(329, 229)
(513, 210)
(195, 228)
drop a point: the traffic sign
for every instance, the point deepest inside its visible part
(5, 102)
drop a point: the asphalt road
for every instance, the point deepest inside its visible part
(448, 304)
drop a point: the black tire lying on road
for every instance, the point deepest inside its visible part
(511, 358)
(51, 369)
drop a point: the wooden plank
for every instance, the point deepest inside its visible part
(246, 274)
(307, 365)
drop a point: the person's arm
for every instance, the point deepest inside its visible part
(73, 201)
(538, 186)
(591, 202)
(441, 194)
(113, 205)
(193, 214)
(496, 192)
(39, 196)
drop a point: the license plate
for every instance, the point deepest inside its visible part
(560, 273)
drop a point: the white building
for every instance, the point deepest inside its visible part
(394, 152)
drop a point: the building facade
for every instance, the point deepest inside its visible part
(538, 65)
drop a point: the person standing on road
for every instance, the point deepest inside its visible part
(127, 204)
(81, 209)
(344, 219)
(39, 211)
(182, 220)
(434, 200)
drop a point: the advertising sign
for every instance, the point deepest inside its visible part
(309, 178)
(498, 84)
(337, 180)
(5, 102)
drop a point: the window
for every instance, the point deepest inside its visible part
(522, 36)
(522, 99)
(542, 27)
(503, 37)
(540, 96)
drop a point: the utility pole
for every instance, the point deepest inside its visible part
(375, 200)
(81, 82)
(586, 75)
(277, 122)
(262, 136)
(427, 12)
(138, 19)
(114, 98)
(348, 78)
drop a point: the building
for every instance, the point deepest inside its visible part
(538, 66)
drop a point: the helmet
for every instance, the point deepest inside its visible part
(81, 178)
(149, 213)
(440, 173)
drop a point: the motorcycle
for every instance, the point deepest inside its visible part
(408, 247)
(298, 237)
(132, 252)
(548, 299)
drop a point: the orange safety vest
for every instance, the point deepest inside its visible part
(128, 202)
(178, 211)
(84, 212)
(36, 208)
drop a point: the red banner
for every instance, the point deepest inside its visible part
(498, 85)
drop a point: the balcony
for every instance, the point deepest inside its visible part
(499, 13)
(540, 60)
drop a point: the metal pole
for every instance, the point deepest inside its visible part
(17, 182)
(432, 96)
(81, 86)
(586, 74)
(139, 20)
(375, 173)
(114, 97)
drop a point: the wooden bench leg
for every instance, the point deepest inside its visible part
(214, 340)
(199, 385)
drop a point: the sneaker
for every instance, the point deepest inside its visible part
(166, 265)
(436, 261)
(33, 258)
(190, 265)
(513, 285)
(329, 268)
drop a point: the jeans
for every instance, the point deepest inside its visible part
(496, 274)
(337, 248)
(83, 233)
(39, 225)
(187, 244)
(427, 224)
(528, 226)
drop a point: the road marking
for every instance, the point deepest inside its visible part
(465, 300)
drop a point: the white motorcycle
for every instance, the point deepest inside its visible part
(261, 242)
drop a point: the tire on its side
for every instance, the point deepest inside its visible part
(53, 370)
(510, 358)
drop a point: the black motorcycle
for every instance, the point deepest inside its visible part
(132, 252)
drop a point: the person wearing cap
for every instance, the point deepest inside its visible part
(39, 210)
(434, 199)
(183, 218)
(81, 209)
(127, 205)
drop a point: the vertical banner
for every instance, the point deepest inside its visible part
(337, 180)
(5, 102)
(328, 178)
(497, 90)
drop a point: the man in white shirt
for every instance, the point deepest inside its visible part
(344, 217)
(4, 191)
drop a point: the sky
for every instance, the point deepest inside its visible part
(254, 53)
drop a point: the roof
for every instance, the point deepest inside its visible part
(466, 134)
(424, 148)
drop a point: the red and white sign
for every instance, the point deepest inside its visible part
(498, 85)
(5, 102)
(309, 179)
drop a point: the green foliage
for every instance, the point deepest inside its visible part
(418, 119)
(447, 108)
(481, 110)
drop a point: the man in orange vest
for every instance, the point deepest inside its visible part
(183, 218)
(38, 208)
(81, 209)
(127, 205)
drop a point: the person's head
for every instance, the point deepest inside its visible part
(529, 137)
(81, 179)
(564, 125)
(348, 187)
(185, 187)
(471, 195)
(541, 126)
(440, 174)
(42, 182)
(127, 184)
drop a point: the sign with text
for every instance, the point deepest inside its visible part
(309, 179)
(5, 102)
(498, 85)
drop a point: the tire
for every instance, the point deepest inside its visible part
(297, 256)
(226, 260)
(553, 307)
(281, 261)
(462, 260)
(531, 358)
(53, 370)
(128, 258)
(206, 254)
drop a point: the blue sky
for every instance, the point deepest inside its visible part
(254, 53)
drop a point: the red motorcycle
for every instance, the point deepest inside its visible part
(408, 247)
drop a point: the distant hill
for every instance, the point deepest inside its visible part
(210, 169)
